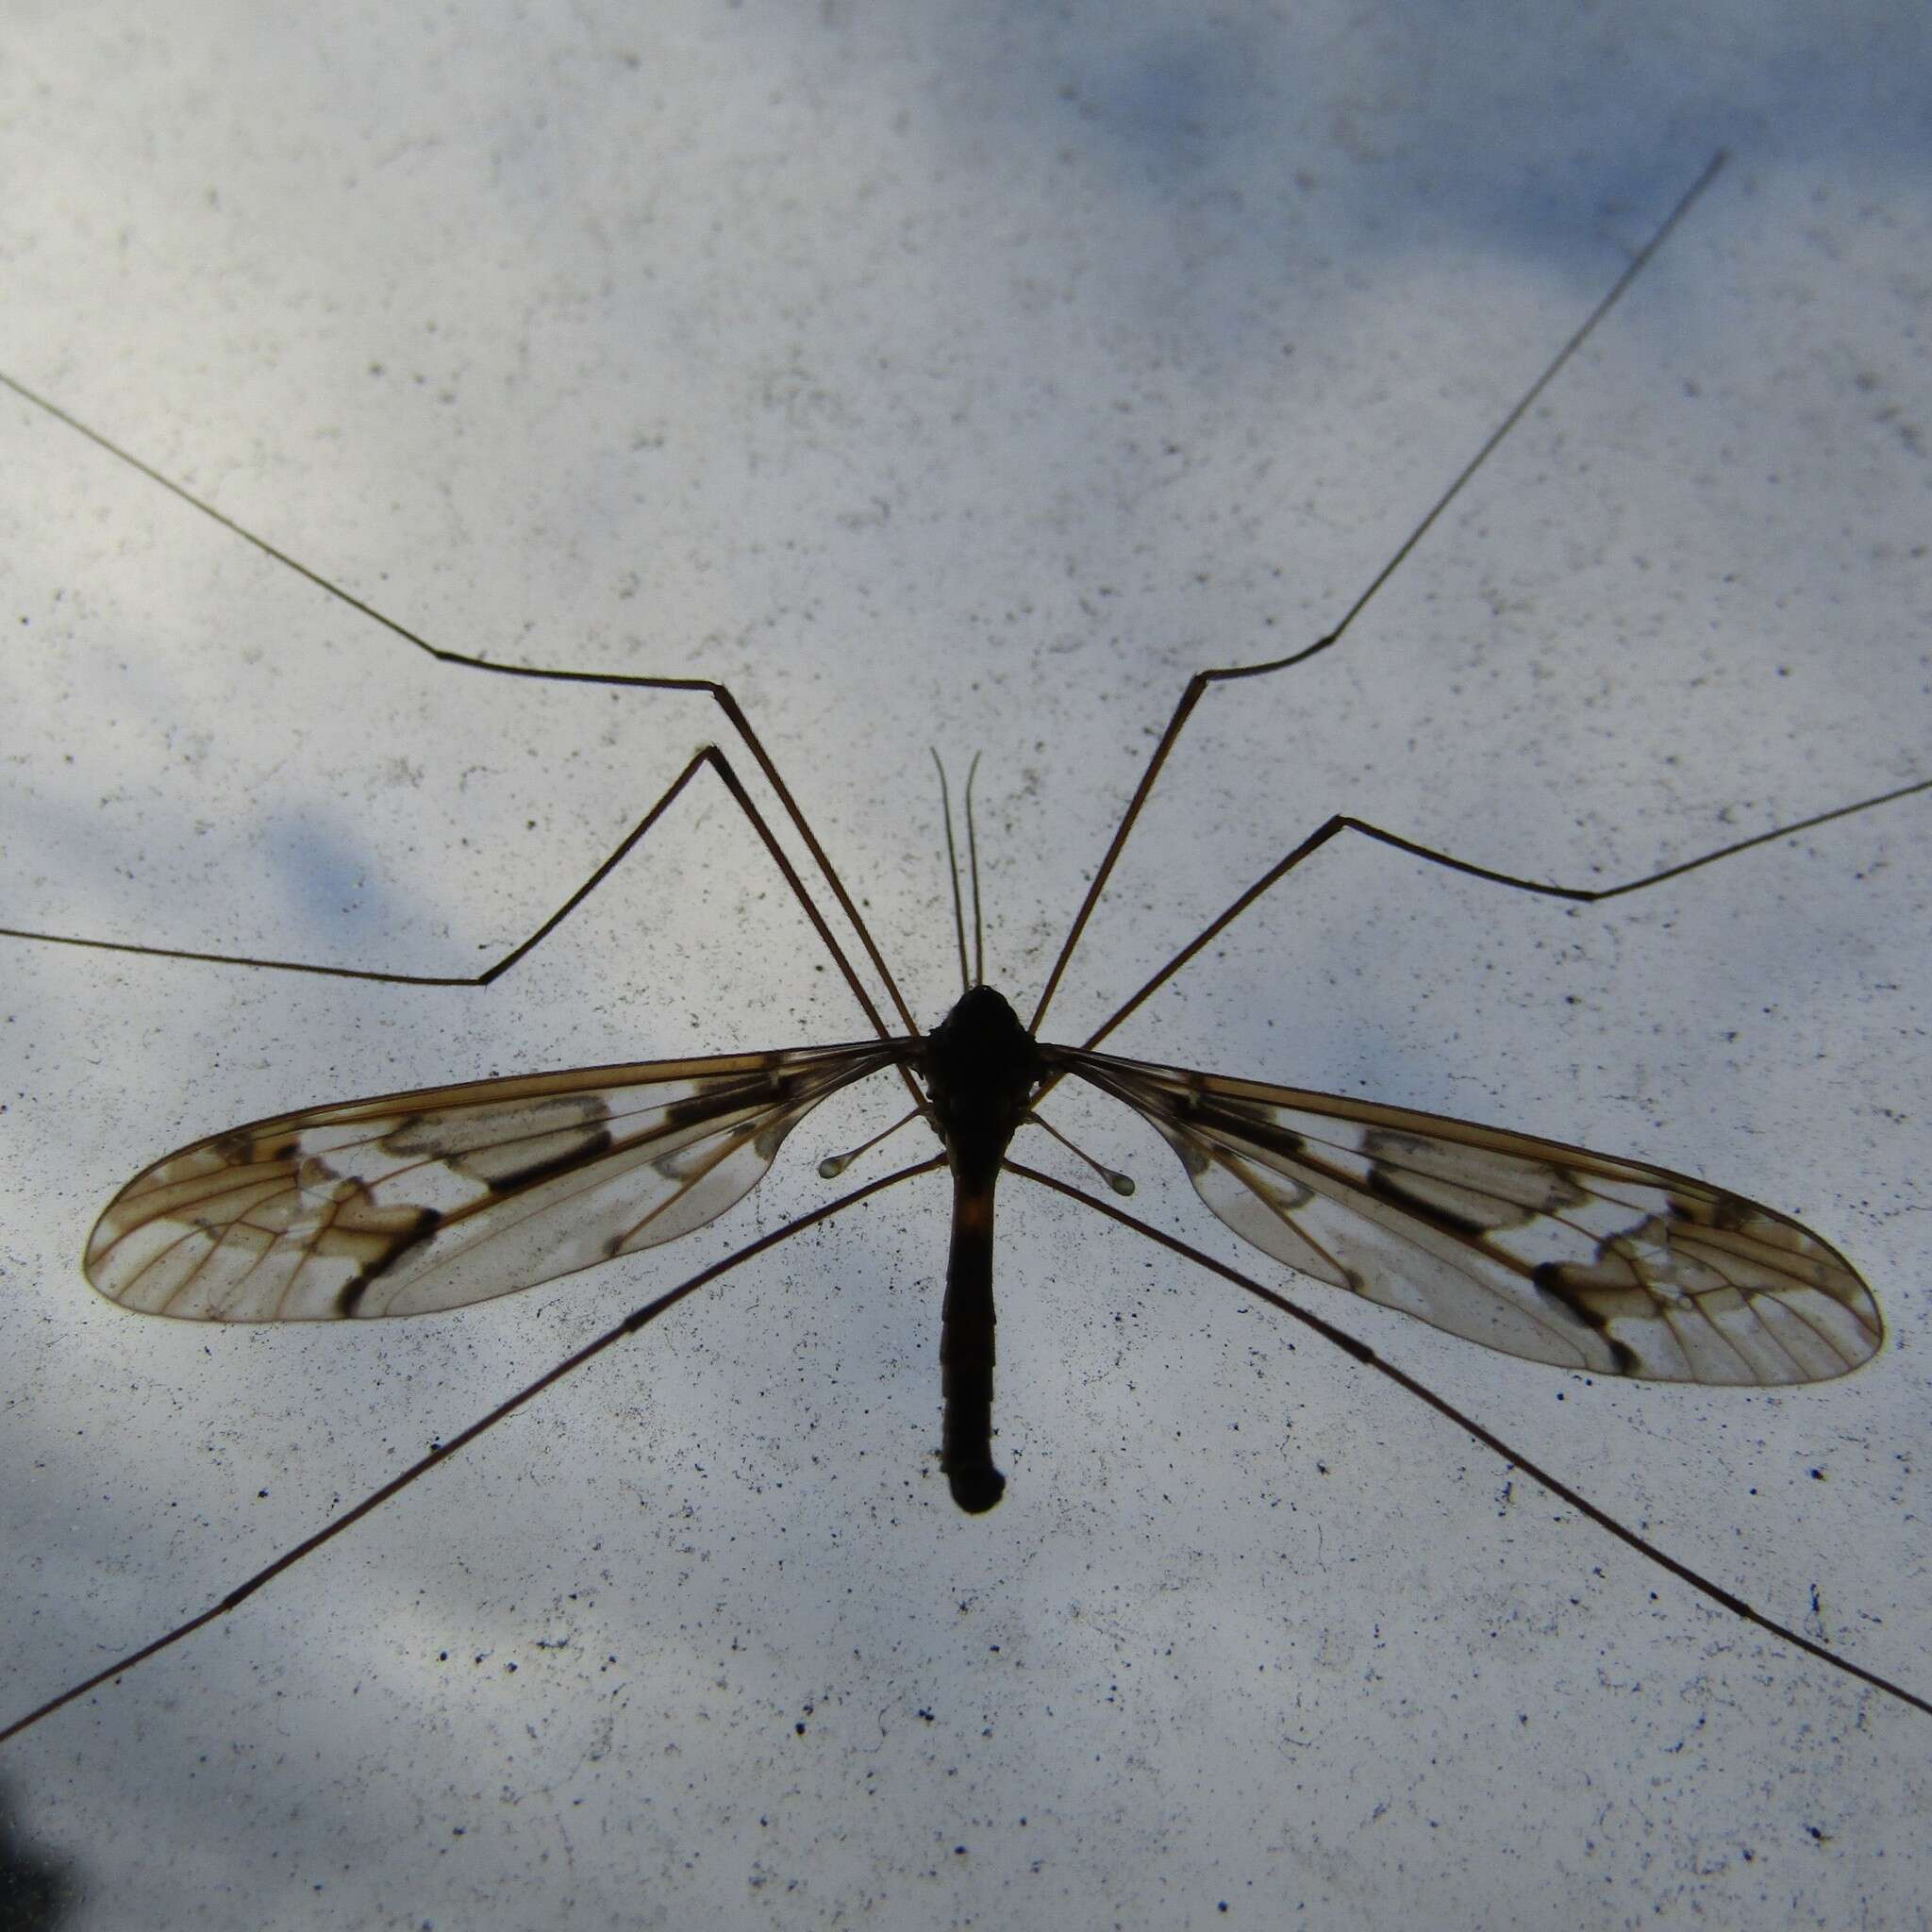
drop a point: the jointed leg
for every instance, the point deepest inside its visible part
(1199, 684)
(1577, 894)
(708, 757)
(706, 687)
(1361, 1353)
(637, 1319)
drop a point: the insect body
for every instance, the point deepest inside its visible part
(423, 1201)
(432, 1199)
(982, 1070)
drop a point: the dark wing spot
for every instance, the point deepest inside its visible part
(242, 1148)
(581, 1152)
(422, 1224)
(1714, 1209)
(1277, 1140)
(1239, 1124)
(750, 1092)
(1593, 1305)
(1399, 1190)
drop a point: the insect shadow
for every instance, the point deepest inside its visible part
(430, 1200)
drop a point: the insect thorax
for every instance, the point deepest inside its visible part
(981, 1067)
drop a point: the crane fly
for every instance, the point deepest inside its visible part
(425, 1201)
(417, 1202)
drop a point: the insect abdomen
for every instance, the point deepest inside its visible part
(966, 1351)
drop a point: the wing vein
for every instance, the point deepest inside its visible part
(413, 1202)
(1531, 1247)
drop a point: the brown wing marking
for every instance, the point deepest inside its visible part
(427, 1200)
(1529, 1246)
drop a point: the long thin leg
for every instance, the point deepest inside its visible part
(709, 756)
(1577, 894)
(1199, 684)
(630, 681)
(1362, 1352)
(638, 1317)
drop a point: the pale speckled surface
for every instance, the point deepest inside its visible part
(967, 378)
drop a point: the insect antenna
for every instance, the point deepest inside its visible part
(832, 1168)
(953, 868)
(974, 975)
(972, 862)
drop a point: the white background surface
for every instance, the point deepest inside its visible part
(970, 377)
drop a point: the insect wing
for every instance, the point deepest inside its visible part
(415, 1201)
(1532, 1247)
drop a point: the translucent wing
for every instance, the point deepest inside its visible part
(415, 1202)
(1532, 1247)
